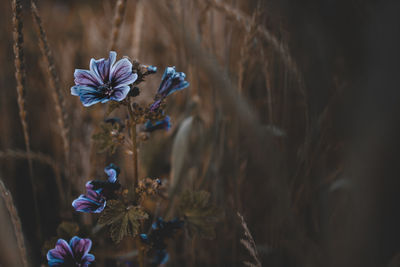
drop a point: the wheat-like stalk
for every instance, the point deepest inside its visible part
(20, 77)
(137, 28)
(249, 244)
(118, 19)
(268, 85)
(16, 222)
(54, 81)
(20, 71)
(279, 48)
(40, 157)
(246, 22)
(246, 47)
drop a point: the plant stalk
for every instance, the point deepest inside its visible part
(134, 146)
(135, 175)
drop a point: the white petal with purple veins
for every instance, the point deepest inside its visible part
(94, 68)
(121, 73)
(104, 66)
(88, 95)
(120, 92)
(85, 77)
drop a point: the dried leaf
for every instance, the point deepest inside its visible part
(123, 221)
(114, 212)
(135, 215)
(199, 213)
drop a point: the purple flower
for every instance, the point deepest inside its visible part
(92, 202)
(104, 81)
(73, 254)
(97, 192)
(172, 81)
(162, 124)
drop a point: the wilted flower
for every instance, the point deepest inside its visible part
(104, 81)
(76, 253)
(97, 192)
(92, 202)
(165, 123)
(172, 81)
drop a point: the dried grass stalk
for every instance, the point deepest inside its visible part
(20, 71)
(246, 22)
(278, 47)
(16, 222)
(118, 19)
(268, 85)
(249, 244)
(54, 81)
(20, 77)
(246, 47)
(137, 30)
(40, 157)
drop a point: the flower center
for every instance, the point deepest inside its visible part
(106, 89)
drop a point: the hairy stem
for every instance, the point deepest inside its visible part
(140, 251)
(135, 173)
(134, 146)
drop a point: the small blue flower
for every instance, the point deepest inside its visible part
(104, 81)
(74, 253)
(97, 192)
(172, 81)
(151, 69)
(158, 125)
(112, 171)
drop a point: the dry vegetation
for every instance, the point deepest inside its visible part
(282, 123)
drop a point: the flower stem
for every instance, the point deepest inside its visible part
(141, 252)
(134, 146)
(135, 174)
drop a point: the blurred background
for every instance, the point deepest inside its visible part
(291, 119)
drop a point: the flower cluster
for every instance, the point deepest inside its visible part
(121, 209)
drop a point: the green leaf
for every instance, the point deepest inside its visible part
(123, 221)
(199, 213)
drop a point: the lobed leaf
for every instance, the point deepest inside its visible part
(123, 221)
(199, 213)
